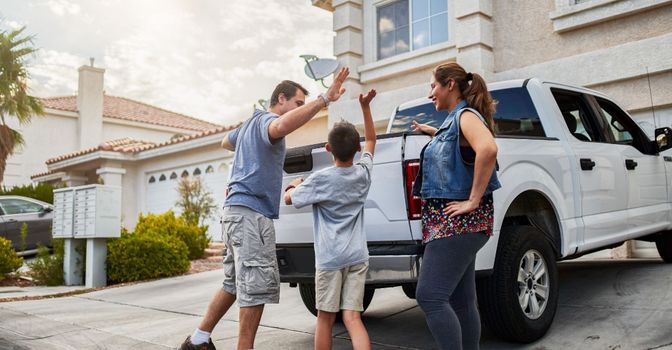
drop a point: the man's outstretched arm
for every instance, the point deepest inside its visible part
(294, 119)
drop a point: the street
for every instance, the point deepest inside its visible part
(604, 304)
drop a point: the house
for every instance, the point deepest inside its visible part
(88, 119)
(620, 47)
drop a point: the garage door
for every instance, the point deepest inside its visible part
(161, 190)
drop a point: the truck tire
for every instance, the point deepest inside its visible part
(307, 292)
(409, 289)
(515, 303)
(664, 246)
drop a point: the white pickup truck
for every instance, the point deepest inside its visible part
(578, 175)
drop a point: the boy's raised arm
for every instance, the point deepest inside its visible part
(369, 129)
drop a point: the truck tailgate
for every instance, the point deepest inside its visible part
(385, 214)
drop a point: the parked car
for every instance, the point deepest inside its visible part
(37, 215)
(578, 175)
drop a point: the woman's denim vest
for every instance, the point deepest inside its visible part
(443, 173)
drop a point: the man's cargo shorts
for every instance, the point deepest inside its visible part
(250, 265)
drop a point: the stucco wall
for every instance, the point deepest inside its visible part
(314, 131)
(45, 137)
(524, 35)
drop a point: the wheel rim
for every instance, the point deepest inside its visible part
(533, 284)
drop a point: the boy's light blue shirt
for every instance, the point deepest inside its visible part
(256, 177)
(338, 195)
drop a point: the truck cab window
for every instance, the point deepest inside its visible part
(576, 113)
(515, 115)
(623, 130)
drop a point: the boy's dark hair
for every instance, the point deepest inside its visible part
(344, 141)
(287, 88)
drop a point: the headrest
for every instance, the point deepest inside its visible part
(570, 120)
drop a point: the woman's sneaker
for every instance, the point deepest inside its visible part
(187, 345)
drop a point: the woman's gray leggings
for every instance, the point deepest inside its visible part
(447, 290)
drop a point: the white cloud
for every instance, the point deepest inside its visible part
(62, 7)
(12, 24)
(54, 73)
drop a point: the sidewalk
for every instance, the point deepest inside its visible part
(603, 305)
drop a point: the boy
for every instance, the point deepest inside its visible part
(341, 253)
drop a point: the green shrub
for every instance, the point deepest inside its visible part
(42, 192)
(47, 269)
(167, 224)
(134, 257)
(9, 261)
(196, 203)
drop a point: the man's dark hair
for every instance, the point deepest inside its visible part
(344, 141)
(287, 88)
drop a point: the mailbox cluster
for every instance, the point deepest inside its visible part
(91, 211)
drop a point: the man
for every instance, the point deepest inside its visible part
(250, 266)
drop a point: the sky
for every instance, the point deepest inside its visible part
(210, 59)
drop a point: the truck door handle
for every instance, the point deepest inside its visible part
(587, 164)
(630, 164)
(11, 220)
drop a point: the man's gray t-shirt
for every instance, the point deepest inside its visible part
(256, 177)
(338, 195)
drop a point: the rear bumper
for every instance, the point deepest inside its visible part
(389, 264)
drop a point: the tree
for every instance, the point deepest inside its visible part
(14, 98)
(196, 202)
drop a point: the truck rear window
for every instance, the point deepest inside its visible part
(515, 115)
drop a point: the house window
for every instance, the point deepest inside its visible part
(152, 180)
(197, 172)
(408, 25)
(184, 174)
(162, 178)
(209, 169)
(223, 168)
(173, 176)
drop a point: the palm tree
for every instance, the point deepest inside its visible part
(14, 98)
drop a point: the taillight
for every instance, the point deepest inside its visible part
(411, 168)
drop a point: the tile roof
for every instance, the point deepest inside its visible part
(125, 145)
(126, 109)
(42, 174)
(128, 145)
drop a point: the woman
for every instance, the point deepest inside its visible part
(457, 178)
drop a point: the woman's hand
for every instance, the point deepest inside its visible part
(423, 128)
(458, 208)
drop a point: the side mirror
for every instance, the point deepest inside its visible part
(663, 138)
(47, 209)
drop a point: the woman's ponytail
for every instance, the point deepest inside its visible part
(478, 97)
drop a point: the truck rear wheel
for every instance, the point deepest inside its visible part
(519, 300)
(664, 246)
(307, 292)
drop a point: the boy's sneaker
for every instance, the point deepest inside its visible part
(187, 345)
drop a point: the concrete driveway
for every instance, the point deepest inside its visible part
(607, 304)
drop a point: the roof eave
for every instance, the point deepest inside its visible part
(88, 157)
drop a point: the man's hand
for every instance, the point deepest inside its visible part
(365, 100)
(336, 90)
(423, 128)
